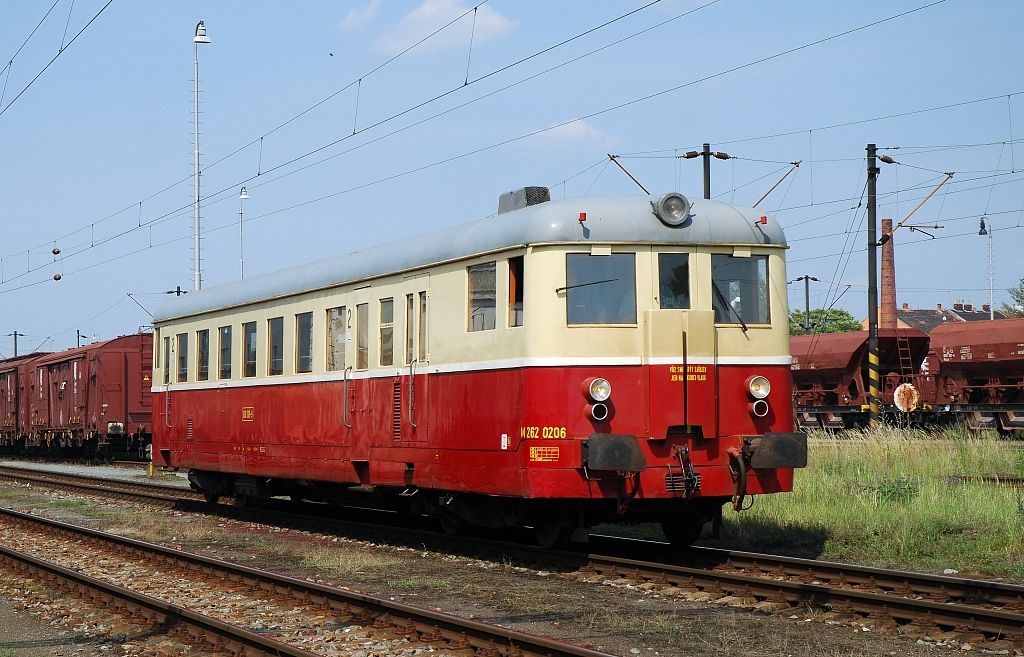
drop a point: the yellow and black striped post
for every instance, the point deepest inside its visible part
(874, 412)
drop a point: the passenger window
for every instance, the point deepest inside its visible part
(387, 331)
(249, 339)
(515, 291)
(362, 336)
(304, 342)
(167, 359)
(275, 343)
(674, 280)
(337, 338)
(600, 289)
(481, 296)
(182, 357)
(410, 317)
(203, 349)
(225, 352)
(739, 289)
(422, 337)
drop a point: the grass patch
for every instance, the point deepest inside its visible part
(81, 507)
(420, 583)
(896, 498)
(340, 562)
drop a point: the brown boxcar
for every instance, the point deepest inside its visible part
(90, 401)
(979, 369)
(830, 374)
(15, 386)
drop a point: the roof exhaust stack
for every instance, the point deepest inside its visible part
(521, 198)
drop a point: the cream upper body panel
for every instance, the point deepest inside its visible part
(428, 281)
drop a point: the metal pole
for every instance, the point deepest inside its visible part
(991, 272)
(16, 334)
(873, 377)
(197, 279)
(807, 304)
(241, 254)
(706, 154)
(78, 337)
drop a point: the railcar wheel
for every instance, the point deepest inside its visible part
(450, 526)
(683, 532)
(552, 533)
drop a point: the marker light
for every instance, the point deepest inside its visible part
(672, 209)
(758, 408)
(599, 412)
(758, 386)
(597, 389)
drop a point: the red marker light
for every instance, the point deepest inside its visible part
(583, 217)
(764, 220)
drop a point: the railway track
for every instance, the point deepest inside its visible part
(244, 609)
(917, 605)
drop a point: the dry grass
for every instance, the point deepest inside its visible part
(343, 562)
(896, 498)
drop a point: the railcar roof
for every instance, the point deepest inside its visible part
(610, 219)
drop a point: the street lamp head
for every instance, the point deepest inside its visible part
(983, 230)
(200, 36)
(243, 195)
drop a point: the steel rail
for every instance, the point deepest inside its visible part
(463, 632)
(84, 483)
(154, 609)
(952, 602)
(995, 623)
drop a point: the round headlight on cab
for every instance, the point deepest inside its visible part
(758, 386)
(672, 209)
(597, 389)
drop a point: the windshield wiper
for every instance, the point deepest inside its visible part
(722, 299)
(573, 287)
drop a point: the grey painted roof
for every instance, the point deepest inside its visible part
(610, 219)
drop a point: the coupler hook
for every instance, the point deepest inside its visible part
(738, 468)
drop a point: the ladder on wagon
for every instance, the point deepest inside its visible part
(906, 358)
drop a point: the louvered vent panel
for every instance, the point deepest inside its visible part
(675, 483)
(396, 411)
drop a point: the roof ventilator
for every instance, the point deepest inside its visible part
(518, 199)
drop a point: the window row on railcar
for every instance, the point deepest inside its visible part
(214, 358)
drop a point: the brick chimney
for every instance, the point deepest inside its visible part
(969, 307)
(906, 306)
(985, 307)
(938, 307)
(958, 307)
(887, 312)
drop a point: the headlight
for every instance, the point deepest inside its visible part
(672, 208)
(597, 389)
(758, 387)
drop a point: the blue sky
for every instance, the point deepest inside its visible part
(109, 125)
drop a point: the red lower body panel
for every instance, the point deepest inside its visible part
(510, 432)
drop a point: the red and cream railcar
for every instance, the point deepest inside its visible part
(560, 364)
(91, 401)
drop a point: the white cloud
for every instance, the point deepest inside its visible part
(432, 14)
(578, 131)
(358, 17)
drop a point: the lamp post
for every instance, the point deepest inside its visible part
(988, 230)
(200, 37)
(242, 197)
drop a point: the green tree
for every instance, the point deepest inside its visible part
(823, 321)
(1015, 309)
